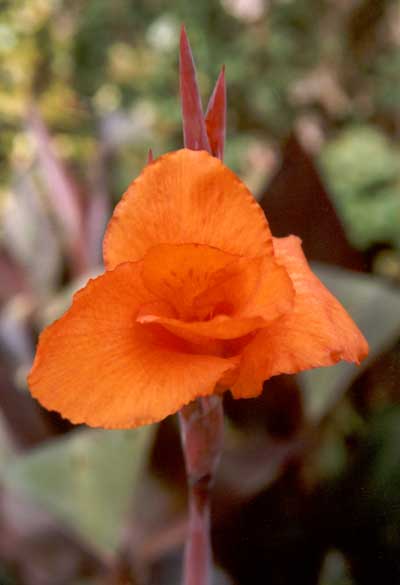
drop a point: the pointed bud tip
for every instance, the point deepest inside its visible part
(216, 116)
(194, 127)
(183, 36)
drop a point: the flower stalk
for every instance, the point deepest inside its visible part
(201, 424)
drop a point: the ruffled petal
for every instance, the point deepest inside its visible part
(97, 365)
(200, 281)
(178, 274)
(221, 327)
(186, 197)
(317, 332)
(273, 295)
(214, 294)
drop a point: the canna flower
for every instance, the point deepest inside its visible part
(197, 298)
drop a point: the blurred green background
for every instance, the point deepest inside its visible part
(309, 486)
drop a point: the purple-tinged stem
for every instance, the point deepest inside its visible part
(201, 424)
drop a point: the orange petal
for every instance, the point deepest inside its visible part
(230, 289)
(274, 294)
(221, 327)
(317, 332)
(200, 281)
(178, 274)
(186, 197)
(216, 295)
(97, 365)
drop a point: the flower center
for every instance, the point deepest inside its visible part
(199, 282)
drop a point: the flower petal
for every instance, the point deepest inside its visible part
(199, 281)
(178, 274)
(230, 289)
(97, 365)
(221, 327)
(317, 332)
(214, 294)
(274, 294)
(186, 197)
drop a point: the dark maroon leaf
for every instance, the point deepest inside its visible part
(297, 202)
(12, 279)
(21, 414)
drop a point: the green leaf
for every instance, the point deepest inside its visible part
(6, 446)
(382, 456)
(362, 169)
(374, 304)
(86, 479)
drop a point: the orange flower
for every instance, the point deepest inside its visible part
(197, 297)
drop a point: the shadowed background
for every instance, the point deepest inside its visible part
(308, 490)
